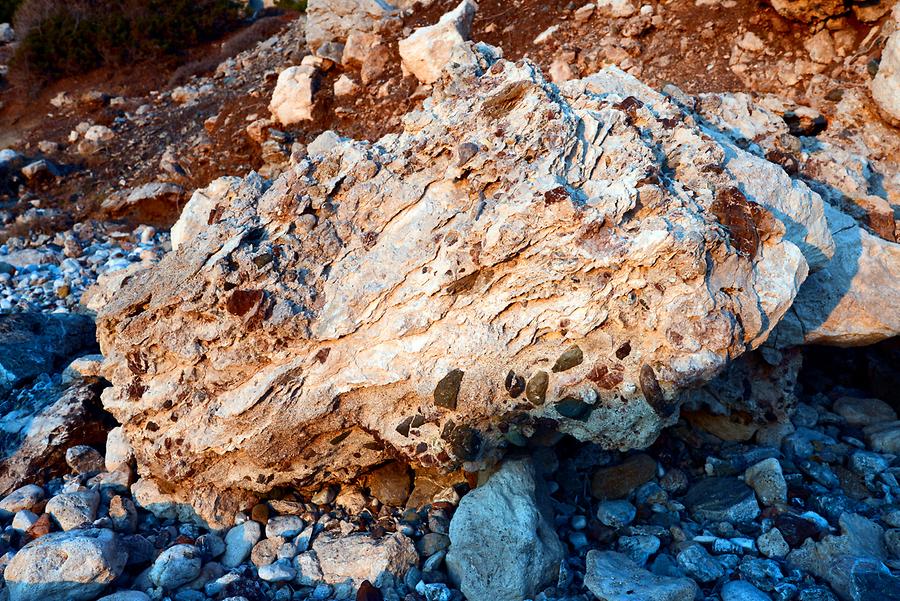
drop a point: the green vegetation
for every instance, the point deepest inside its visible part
(65, 37)
(298, 5)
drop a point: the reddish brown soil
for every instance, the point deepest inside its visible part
(690, 49)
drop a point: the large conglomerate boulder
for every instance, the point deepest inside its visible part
(520, 257)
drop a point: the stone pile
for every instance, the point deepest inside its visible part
(809, 512)
(51, 273)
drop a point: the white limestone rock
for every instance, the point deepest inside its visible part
(885, 85)
(360, 557)
(450, 274)
(427, 51)
(293, 99)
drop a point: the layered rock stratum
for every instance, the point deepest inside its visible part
(521, 258)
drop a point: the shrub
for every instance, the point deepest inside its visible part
(298, 5)
(244, 39)
(65, 37)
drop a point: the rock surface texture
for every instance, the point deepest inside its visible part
(520, 256)
(428, 50)
(503, 545)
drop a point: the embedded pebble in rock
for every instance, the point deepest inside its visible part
(176, 566)
(239, 542)
(722, 499)
(767, 480)
(616, 514)
(65, 566)
(74, 509)
(864, 412)
(503, 545)
(613, 577)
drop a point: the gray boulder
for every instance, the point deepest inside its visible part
(613, 577)
(239, 542)
(859, 550)
(176, 566)
(503, 546)
(25, 497)
(65, 566)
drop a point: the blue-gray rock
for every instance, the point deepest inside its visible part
(738, 590)
(639, 548)
(761, 573)
(503, 544)
(287, 526)
(65, 566)
(612, 576)
(616, 514)
(722, 500)
(699, 565)
(126, 596)
(176, 566)
(74, 509)
(25, 497)
(239, 543)
(835, 557)
(816, 593)
(872, 581)
(278, 571)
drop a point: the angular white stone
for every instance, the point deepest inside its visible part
(427, 51)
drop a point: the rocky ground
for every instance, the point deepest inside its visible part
(536, 342)
(715, 509)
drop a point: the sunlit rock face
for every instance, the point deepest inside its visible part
(520, 258)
